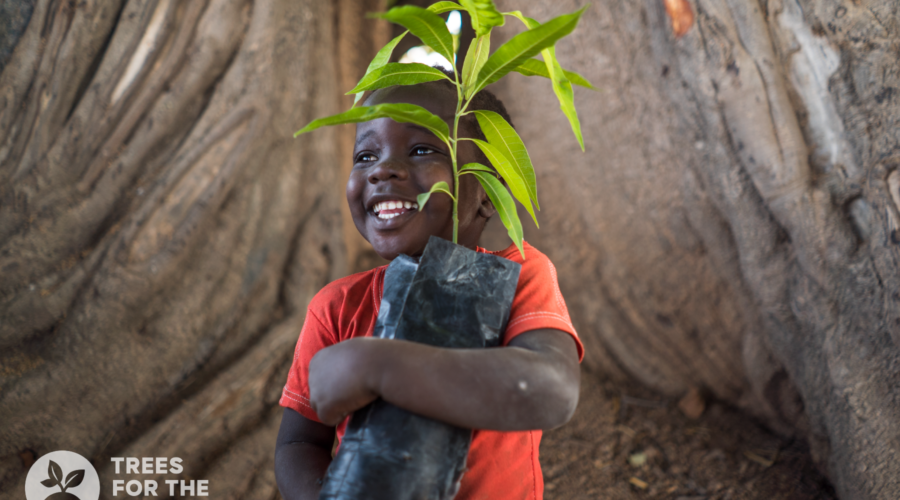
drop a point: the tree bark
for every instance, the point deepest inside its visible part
(161, 231)
(733, 224)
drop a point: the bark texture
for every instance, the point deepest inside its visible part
(160, 231)
(734, 223)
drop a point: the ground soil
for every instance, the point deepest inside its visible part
(626, 442)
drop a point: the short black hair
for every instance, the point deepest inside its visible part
(484, 100)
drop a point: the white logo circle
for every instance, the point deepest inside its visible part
(62, 475)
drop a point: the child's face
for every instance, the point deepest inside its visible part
(395, 162)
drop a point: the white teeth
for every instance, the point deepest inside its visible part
(393, 205)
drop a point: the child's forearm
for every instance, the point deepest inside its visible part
(532, 384)
(299, 469)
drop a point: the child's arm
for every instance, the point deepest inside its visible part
(530, 384)
(302, 454)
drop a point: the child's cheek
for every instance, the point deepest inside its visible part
(354, 193)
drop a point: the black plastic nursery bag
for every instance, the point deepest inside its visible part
(454, 297)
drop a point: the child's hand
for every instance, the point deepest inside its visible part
(340, 379)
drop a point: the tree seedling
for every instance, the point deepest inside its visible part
(503, 148)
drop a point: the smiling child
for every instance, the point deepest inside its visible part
(509, 394)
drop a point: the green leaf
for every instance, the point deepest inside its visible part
(524, 46)
(444, 7)
(562, 87)
(564, 93)
(504, 167)
(484, 15)
(399, 112)
(471, 167)
(398, 74)
(527, 21)
(505, 206)
(380, 59)
(504, 137)
(535, 67)
(426, 25)
(477, 55)
(384, 55)
(358, 97)
(441, 186)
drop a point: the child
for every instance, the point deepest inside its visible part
(508, 394)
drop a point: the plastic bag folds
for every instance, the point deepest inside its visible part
(455, 298)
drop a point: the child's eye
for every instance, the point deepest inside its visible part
(423, 150)
(365, 157)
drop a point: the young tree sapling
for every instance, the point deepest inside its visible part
(503, 147)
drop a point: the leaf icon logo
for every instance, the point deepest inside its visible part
(62, 475)
(72, 480)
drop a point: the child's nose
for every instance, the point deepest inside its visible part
(389, 168)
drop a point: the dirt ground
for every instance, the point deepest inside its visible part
(625, 442)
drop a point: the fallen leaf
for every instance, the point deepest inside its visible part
(637, 459)
(27, 457)
(692, 404)
(600, 463)
(765, 462)
(681, 15)
(638, 483)
(625, 430)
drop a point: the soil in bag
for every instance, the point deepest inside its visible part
(454, 297)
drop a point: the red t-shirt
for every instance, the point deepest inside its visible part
(500, 464)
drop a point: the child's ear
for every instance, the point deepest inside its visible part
(486, 209)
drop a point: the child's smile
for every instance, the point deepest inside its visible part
(391, 208)
(395, 162)
(387, 210)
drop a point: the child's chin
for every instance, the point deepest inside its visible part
(391, 255)
(390, 250)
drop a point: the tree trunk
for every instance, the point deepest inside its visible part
(161, 231)
(734, 223)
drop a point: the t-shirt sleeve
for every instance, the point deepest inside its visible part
(538, 303)
(314, 336)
